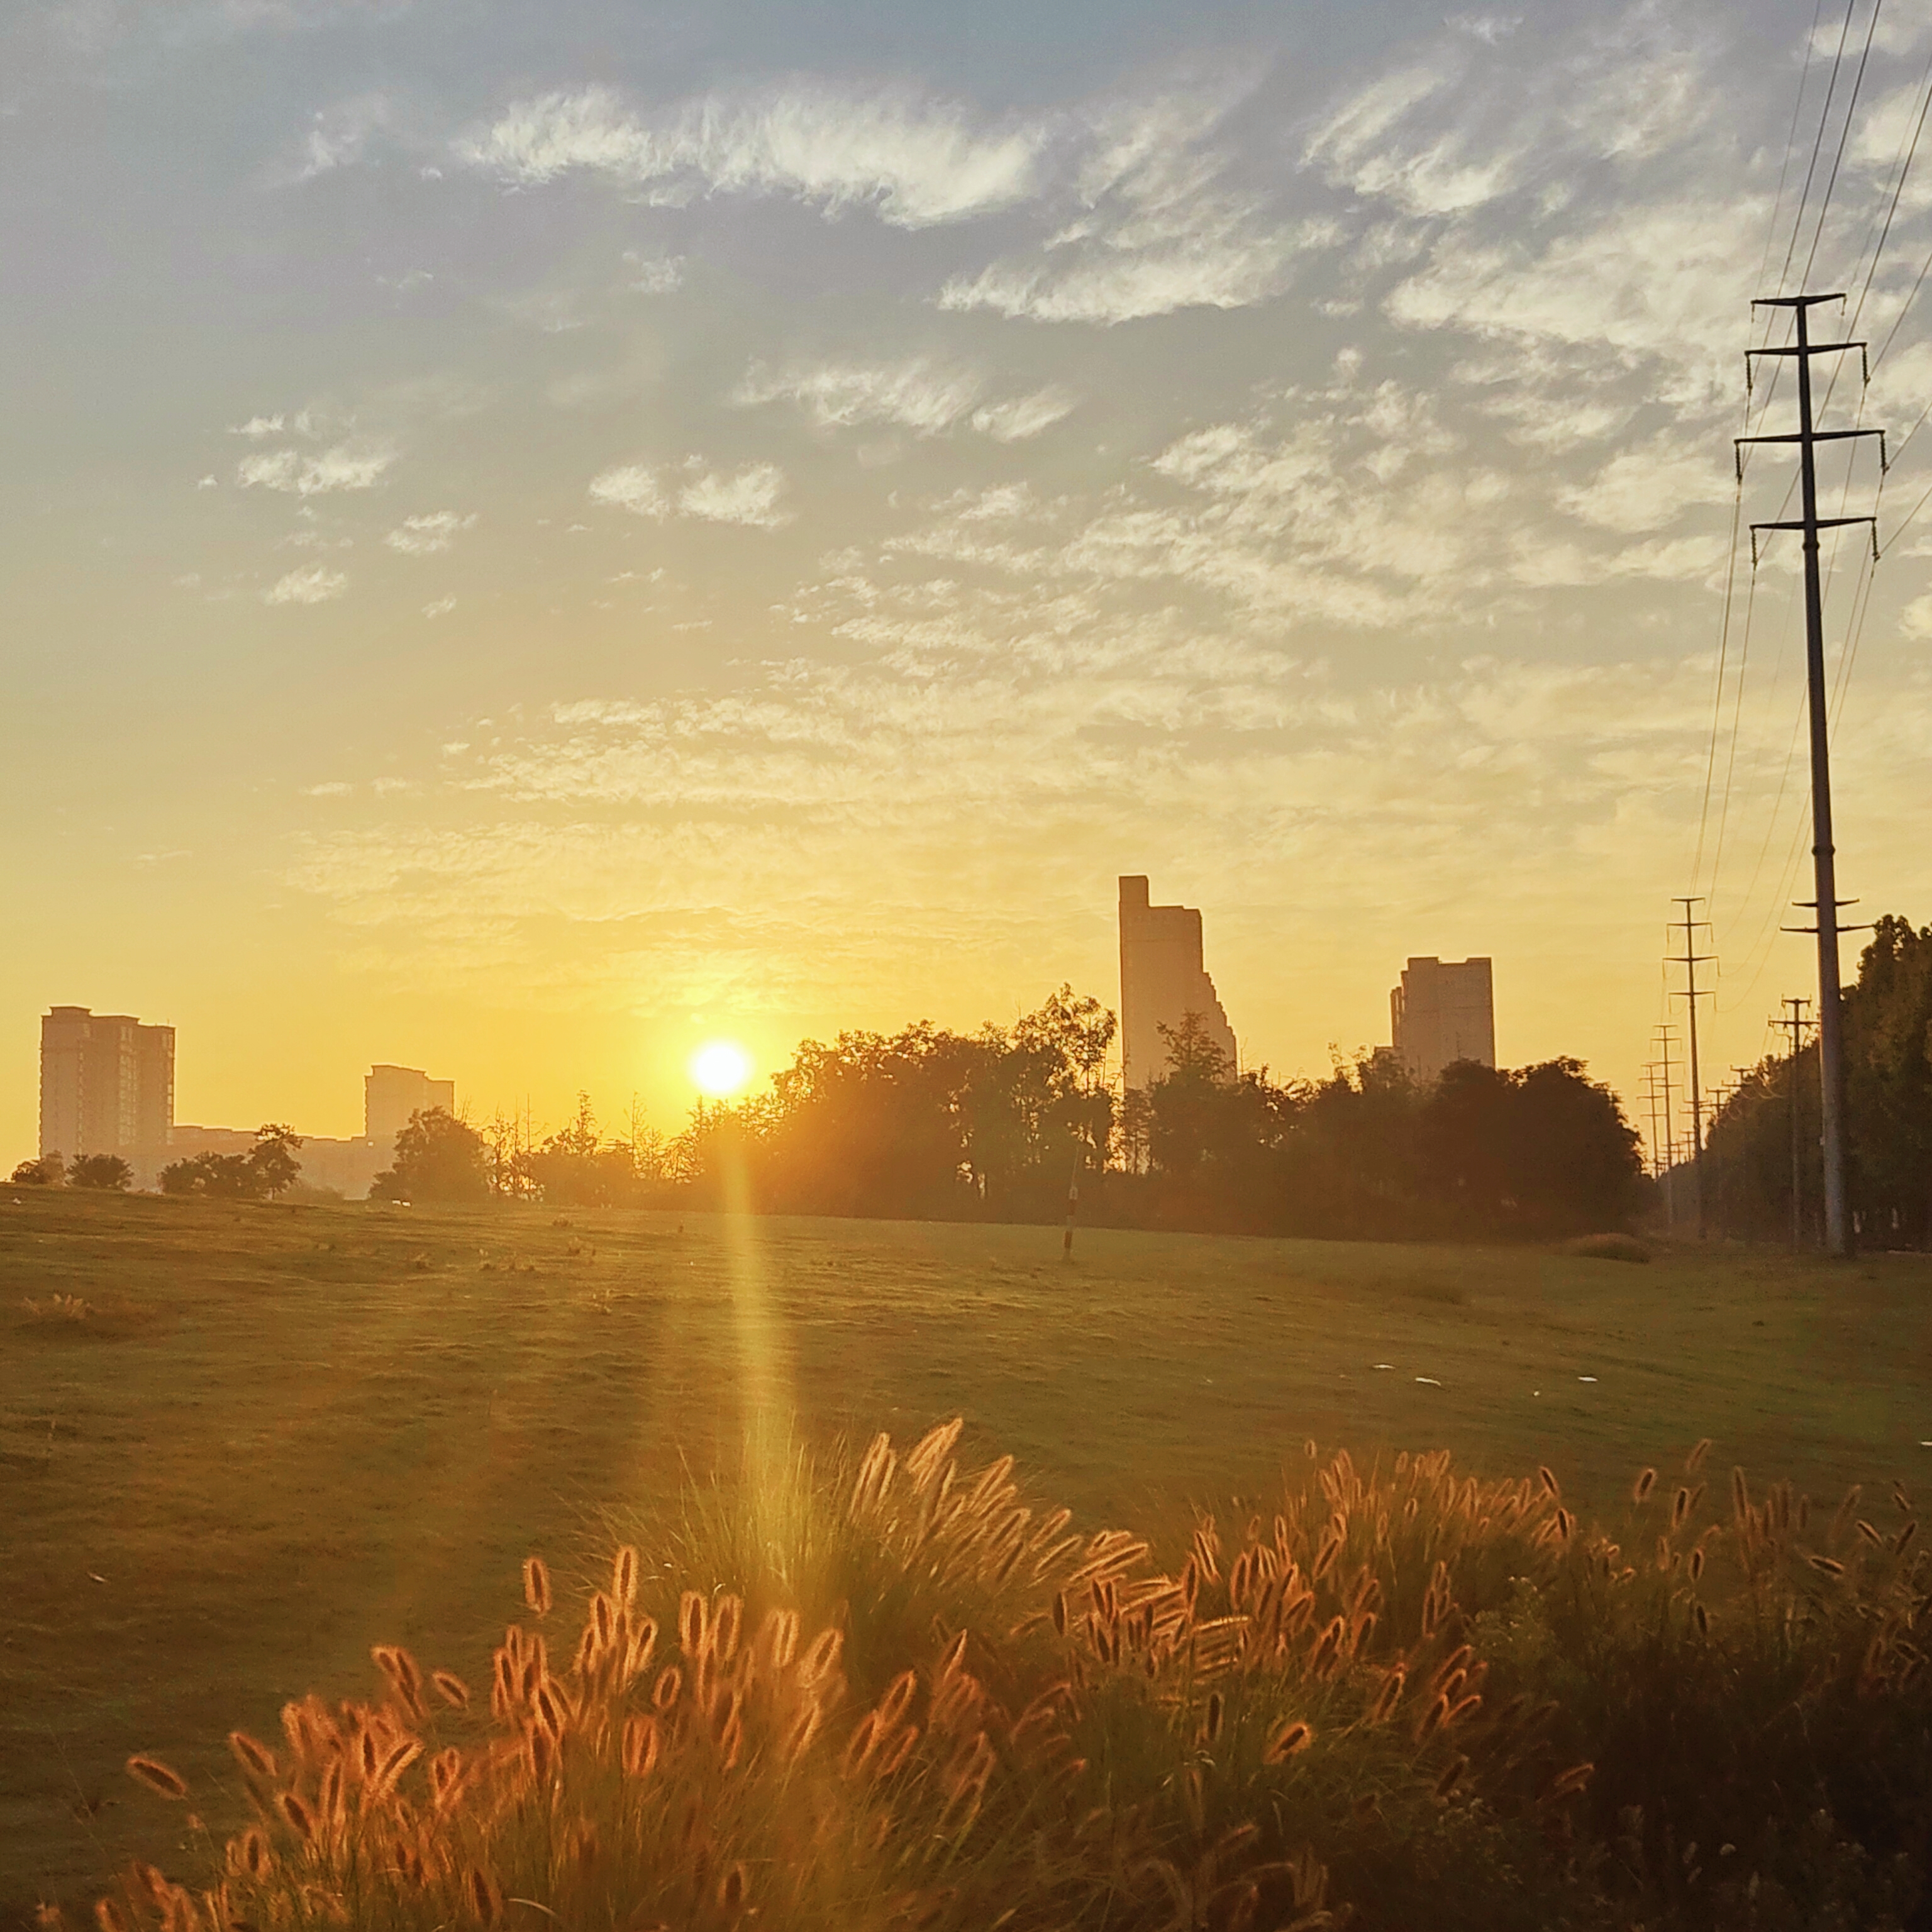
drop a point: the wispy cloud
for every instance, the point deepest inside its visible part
(344, 466)
(316, 583)
(915, 159)
(341, 135)
(427, 535)
(752, 496)
(1155, 221)
(634, 487)
(923, 395)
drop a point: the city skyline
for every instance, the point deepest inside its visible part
(701, 526)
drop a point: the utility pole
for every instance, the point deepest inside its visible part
(1663, 1033)
(1650, 1098)
(1690, 959)
(1793, 1023)
(1824, 867)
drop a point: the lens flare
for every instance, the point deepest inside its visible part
(720, 1068)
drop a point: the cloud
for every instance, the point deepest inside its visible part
(1156, 221)
(632, 487)
(915, 159)
(750, 496)
(425, 535)
(655, 275)
(346, 466)
(315, 584)
(340, 136)
(1021, 417)
(1645, 487)
(259, 426)
(441, 608)
(921, 395)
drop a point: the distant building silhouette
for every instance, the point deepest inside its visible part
(1444, 1011)
(1162, 981)
(107, 1086)
(391, 1094)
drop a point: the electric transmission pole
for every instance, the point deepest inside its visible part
(1793, 1022)
(1831, 1041)
(1690, 959)
(1663, 1033)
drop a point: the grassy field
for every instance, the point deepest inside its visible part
(274, 1435)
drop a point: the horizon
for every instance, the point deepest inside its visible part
(546, 551)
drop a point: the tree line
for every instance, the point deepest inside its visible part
(996, 1125)
(1752, 1180)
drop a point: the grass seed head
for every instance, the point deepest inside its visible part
(624, 1576)
(536, 1585)
(1289, 1738)
(254, 1756)
(158, 1777)
(1640, 1490)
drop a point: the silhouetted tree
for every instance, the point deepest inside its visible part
(48, 1172)
(438, 1158)
(268, 1169)
(574, 1168)
(1887, 1034)
(107, 1172)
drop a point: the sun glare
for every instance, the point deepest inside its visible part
(720, 1068)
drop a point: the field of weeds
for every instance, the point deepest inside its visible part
(239, 1446)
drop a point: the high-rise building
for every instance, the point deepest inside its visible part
(1162, 981)
(107, 1085)
(391, 1094)
(1444, 1011)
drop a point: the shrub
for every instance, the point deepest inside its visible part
(107, 1172)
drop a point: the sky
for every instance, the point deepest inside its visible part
(533, 538)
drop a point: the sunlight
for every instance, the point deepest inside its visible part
(720, 1068)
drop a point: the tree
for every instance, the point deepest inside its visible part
(272, 1158)
(1542, 1149)
(574, 1169)
(438, 1158)
(268, 1169)
(107, 1172)
(48, 1172)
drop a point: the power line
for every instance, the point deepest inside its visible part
(1817, 147)
(1844, 133)
(1898, 188)
(1717, 697)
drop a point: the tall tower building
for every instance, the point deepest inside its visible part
(391, 1094)
(107, 1085)
(1162, 981)
(1443, 1011)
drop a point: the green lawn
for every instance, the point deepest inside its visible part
(280, 1433)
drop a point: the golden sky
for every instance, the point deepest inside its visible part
(532, 540)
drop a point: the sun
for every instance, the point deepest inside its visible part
(720, 1068)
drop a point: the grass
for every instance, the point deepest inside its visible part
(238, 1443)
